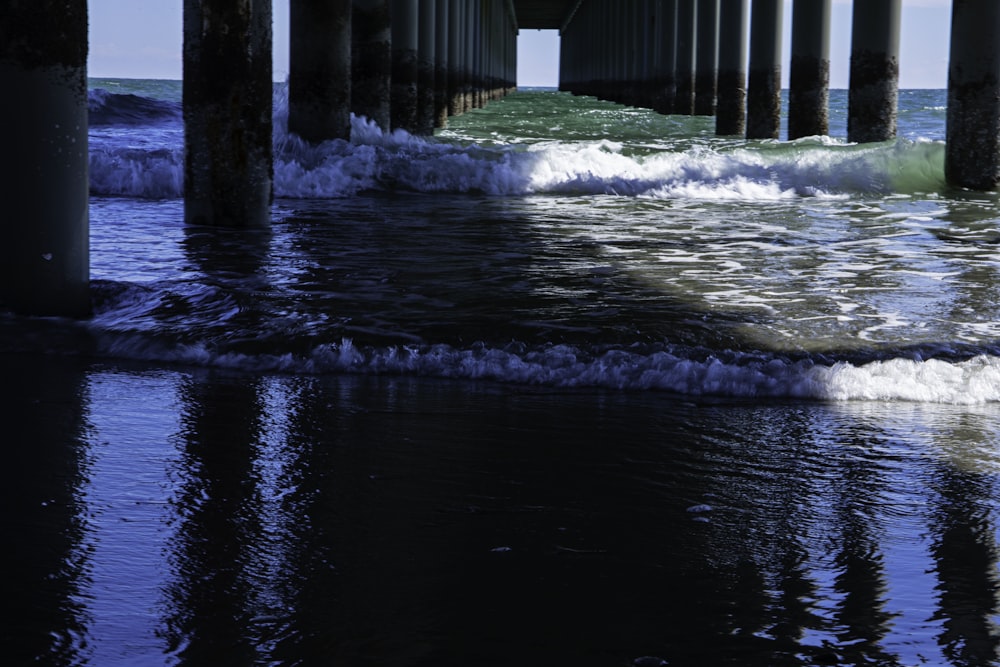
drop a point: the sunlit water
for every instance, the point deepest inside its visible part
(568, 384)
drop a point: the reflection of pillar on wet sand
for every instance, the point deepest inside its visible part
(319, 76)
(210, 609)
(44, 256)
(42, 520)
(227, 113)
(966, 560)
(972, 158)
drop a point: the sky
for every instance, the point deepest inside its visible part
(143, 38)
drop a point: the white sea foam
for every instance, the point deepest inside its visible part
(971, 381)
(377, 160)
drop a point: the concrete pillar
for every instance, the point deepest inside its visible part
(44, 255)
(972, 152)
(319, 77)
(405, 19)
(764, 78)
(874, 84)
(687, 14)
(731, 109)
(707, 60)
(469, 47)
(456, 57)
(809, 78)
(666, 61)
(426, 58)
(371, 60)
(227, 89)
(442, 33)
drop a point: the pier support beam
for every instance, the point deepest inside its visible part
(874, 84)
(731, 106)
(687, 15)
(44, 262)
(319, 77)
(371, 60)
(707, 60)
(666, 60)
(456, 57)
(972, 153)
(228, 103)
(441, 36)
(426, 54)
(405, 18)
(764, 83)
(809, 78)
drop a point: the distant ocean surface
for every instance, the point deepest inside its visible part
(569, 383)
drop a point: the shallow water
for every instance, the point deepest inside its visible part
(568, 384)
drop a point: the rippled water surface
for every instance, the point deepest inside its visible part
(567, 384)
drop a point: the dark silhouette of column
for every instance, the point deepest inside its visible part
(45, 189)
(707, 61)
(441, 38)
(686, 44)
(405, 43)
(972, 153)
(319, 77)
(809, 78)
(228, 170)
(731, 107)
(764, 80)
(666, 62)
(371, 60)
(874, 85)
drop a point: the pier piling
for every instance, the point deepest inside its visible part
(44, 261)
(731, 105)
(441, 47)
(972, 151)
(319, 77)
(809, 75)
(687, 15)
(227, 94)
(764, 78)
(371, 60)
(707, 59)
(874, 76)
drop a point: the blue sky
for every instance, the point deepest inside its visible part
(142, 39)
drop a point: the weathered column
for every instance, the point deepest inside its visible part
(687, 15)
(972, 152)
(666, 61)
(227, 89)
(371, 60)
(707, 59)
(456, 57)
(442, 14)
(426, 57)
(319, 64)
(764, 79)
(731, 109)
(44, 255)
(405, 19)
(809, 78)
(874, 84)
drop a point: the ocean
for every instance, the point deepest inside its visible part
(569, 383)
